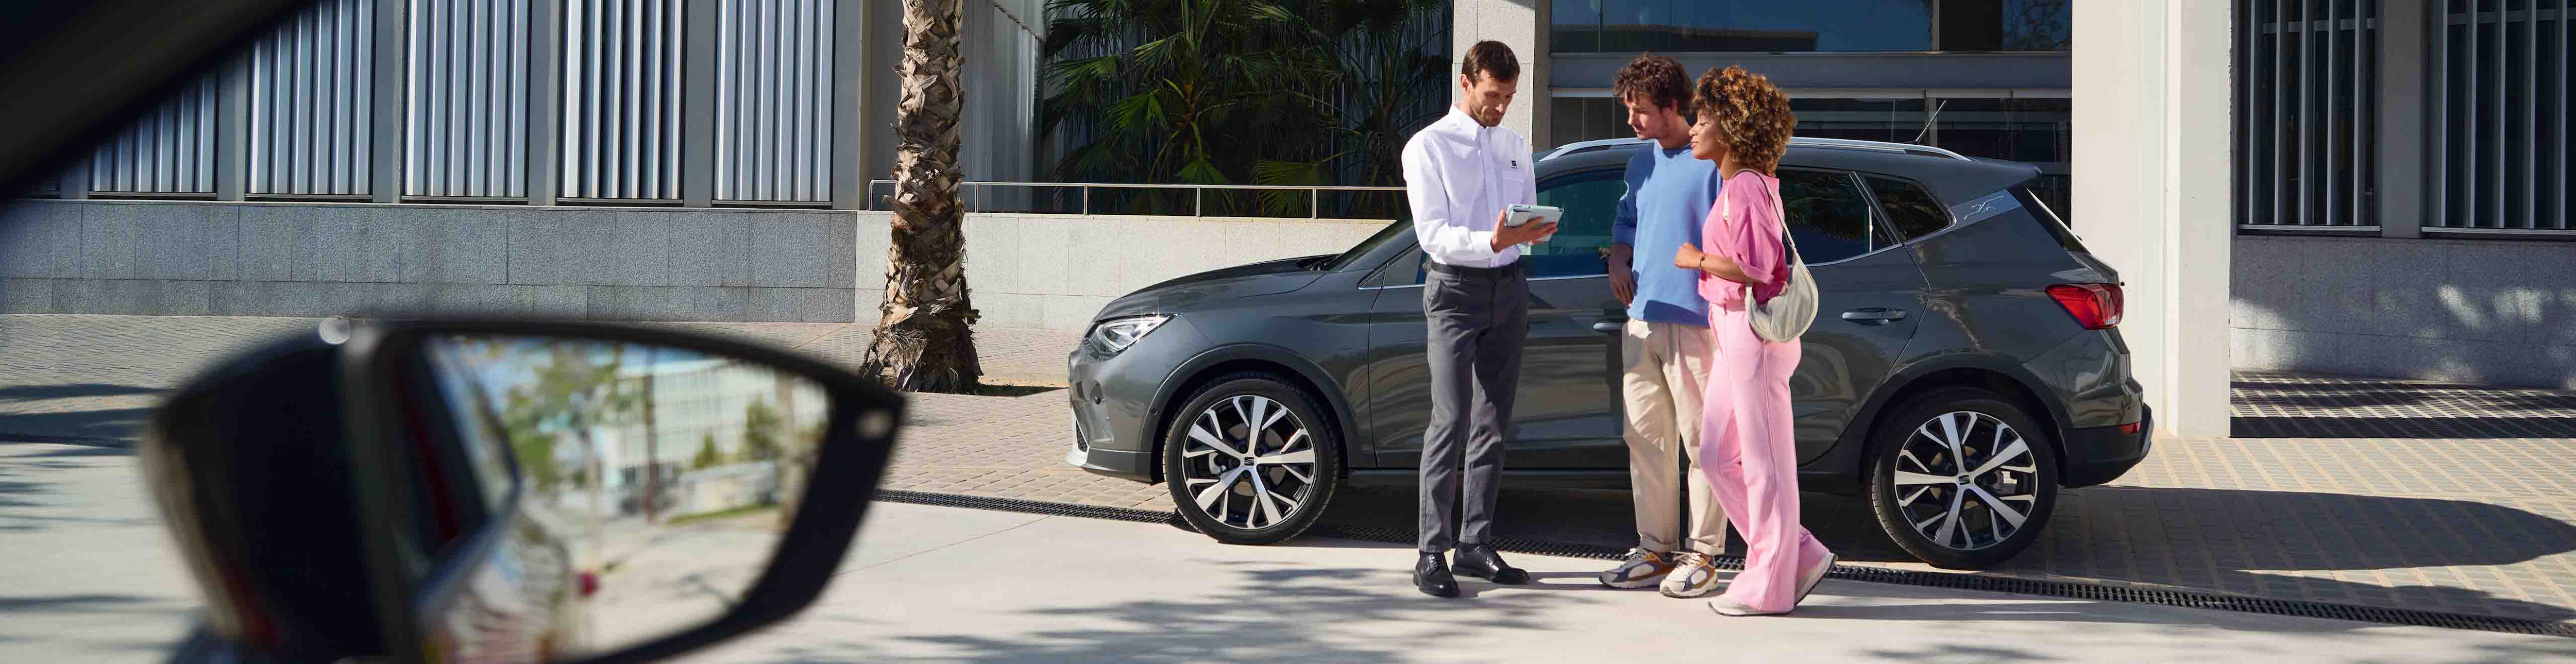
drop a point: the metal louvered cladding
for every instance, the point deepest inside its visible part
(312, 88)
(2500, 73)
(2310, 98)
(621, 129)
(465, 103)
(170, 151)
(773, 103)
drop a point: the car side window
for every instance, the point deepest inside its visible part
(1591, 203)
(1828, 214)
(1912, 211)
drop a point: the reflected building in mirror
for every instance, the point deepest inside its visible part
(714, 430)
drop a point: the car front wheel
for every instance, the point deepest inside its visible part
(1962, 478)
(1249, 460)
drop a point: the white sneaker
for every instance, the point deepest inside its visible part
(1815, 576)
(1640, 569)
(1727, 606)
(1692, 576)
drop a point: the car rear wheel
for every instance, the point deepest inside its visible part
(1962, 478)
(1249, 460)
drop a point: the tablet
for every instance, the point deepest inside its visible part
(1518, 215)
(1522, 214)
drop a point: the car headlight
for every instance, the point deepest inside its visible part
(1115, 335)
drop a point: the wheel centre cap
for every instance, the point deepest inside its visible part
(1966, 480)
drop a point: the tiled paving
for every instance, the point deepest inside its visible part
(2374, 492)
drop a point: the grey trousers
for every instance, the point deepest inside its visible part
(1478, 318)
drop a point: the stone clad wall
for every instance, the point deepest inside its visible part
(2481, 312)
(184, 258)
(1055, 271)
(314, 259)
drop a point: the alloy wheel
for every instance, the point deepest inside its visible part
(1249, 462)
(1966, 480)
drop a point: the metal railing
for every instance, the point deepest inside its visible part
(1794, 141)
(977, 195)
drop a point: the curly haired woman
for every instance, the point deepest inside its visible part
(1746, 442)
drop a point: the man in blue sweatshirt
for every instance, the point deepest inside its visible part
(1665, 346)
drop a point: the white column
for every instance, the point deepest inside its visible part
(1522, 24)
(2152, 168)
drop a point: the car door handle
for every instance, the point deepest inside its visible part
(1609, 325)
(1874, 315)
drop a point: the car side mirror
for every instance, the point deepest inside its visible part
(515, 491)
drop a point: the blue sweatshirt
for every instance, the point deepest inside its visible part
(1669, 196)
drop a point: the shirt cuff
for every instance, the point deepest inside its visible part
(1480, 246)
(1623, 234)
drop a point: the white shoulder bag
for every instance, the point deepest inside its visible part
(1788, 314)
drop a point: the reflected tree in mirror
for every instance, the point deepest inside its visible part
(666, 475)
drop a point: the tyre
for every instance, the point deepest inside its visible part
(1962, 478)
(1250, 460)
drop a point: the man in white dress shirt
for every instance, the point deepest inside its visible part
(1459, 174)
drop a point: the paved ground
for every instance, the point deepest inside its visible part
(2480, 520)
(1125, 592)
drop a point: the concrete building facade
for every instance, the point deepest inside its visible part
(624, 160)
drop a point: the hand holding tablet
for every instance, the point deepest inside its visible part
(1517, 215)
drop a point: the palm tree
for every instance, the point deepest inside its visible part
(924, 327)
(1270, 92)
(1180, 90)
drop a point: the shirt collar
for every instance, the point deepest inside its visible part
(1467, 125)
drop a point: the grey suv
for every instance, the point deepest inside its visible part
(1963, 367)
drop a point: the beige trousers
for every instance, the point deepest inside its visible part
(1667, 369)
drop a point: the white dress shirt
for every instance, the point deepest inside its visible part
(1459, 175)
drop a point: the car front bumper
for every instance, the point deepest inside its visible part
(1111, 396)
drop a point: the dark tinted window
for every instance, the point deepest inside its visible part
(1913, 211)
(2046, 214)
(1828, 215)
(1591, 202)
(1400, 229)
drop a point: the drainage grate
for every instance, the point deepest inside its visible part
(1949, 580)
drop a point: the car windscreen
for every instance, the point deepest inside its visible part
(1399, 229)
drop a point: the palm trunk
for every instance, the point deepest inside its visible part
(924, 332)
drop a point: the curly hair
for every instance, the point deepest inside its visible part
(1656, 79)
(1753, 114)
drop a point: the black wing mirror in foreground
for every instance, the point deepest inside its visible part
(465, 492)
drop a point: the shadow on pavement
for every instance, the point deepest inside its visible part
(2402, 427)
(101, 427)
(72, 603)
(1267, 609)
(2278, 544)
(69, 391)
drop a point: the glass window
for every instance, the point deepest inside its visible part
(2039, 131)
(1591, 202)
(1899, 120)
(1828, 215)
(2034, 130)
(1625, 26)
(1578, 119)
(1913, 211)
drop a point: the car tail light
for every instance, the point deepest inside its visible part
(2132, 428)
(2097, 306)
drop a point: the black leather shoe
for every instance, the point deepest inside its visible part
(1431, 576)
(1480, 561)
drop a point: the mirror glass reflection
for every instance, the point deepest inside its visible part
(654, 482)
